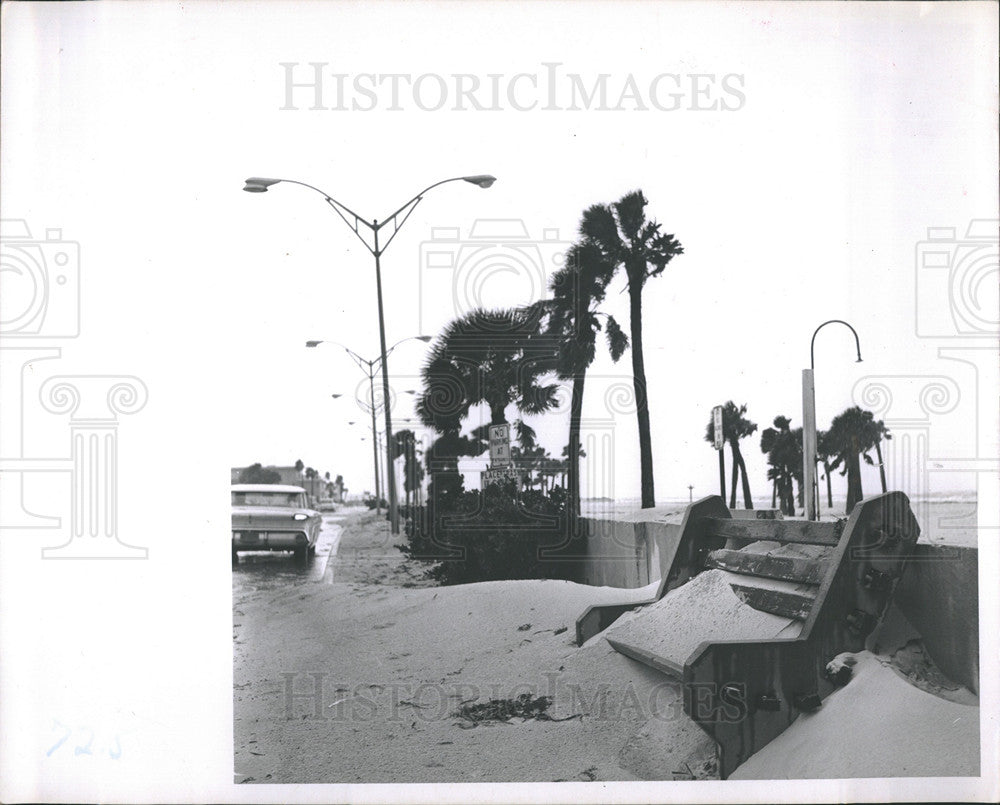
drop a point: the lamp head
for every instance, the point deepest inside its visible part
(313, 343)
(484, 180)
(256, 184)
(425, 338)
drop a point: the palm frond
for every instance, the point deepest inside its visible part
(617, 339)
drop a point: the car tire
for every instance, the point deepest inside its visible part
(301, 554)
(236, 557)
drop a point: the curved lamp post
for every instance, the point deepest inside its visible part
(257, 184)
(810, 490)
(368, 367)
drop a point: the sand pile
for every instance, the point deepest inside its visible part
(879, 725)
(706, 608)
(395, 666)
(379, 672)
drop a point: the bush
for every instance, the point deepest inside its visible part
(499, 533)
(370, 502)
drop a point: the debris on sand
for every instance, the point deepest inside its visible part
(526, 707)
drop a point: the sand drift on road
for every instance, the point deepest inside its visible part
(365, 676)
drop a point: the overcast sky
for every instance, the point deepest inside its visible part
(798, 154)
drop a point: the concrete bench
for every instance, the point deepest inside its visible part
(803, 591)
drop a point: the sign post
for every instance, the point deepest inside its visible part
(717, 434)
(500, 445)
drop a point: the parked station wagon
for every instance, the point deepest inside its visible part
(273, 517)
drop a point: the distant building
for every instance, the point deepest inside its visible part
(318, 488)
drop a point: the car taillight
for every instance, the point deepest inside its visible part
(300, 516)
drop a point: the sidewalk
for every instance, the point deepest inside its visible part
(361, 678)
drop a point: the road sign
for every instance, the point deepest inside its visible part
(500, 474)
(499, 453)
(500, 445)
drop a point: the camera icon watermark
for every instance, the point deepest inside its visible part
(497, 265)
(956, 282)
(40, 301)
(41, 283)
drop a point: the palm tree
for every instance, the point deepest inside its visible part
(573, 323)
(877, 433)
(565, 465)
(825, 454)
(405, 445)
(492, 357)
(441, 459)
(629, 242)
(783, 447)
(735, 426)
(852, 434)
(487, 356)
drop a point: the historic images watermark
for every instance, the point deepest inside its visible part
(957, 306)
(41, 307)
(317, 86)
(496, 259)
(320, 696)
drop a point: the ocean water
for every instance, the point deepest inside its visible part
(951, 519)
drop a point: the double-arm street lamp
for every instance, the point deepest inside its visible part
(257, 184)
(368, 367)
(809, 436)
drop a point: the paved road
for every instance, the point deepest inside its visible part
(265, 570)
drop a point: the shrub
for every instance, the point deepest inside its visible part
(499, 533)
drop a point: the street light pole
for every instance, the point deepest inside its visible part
(809, 440)
(390, 481)
(256, 184)
(809, 433)
(368, 366)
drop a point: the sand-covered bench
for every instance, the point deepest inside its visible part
(752, 614)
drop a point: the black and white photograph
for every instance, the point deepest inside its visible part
(499, 401)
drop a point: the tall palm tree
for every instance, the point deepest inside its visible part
(631, 243)
(405, 445)
(783, 447)
(825, 454)
(852, 434)
(735, 426)
(573, 321)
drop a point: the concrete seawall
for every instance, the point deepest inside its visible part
(938, 594)
(626, 551)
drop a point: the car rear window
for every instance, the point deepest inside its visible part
(286, 499)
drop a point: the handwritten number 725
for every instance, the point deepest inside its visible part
(114, 752)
